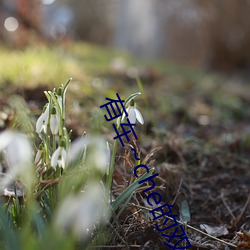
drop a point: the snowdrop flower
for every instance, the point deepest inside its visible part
(17, 152)
(39, 154)
(42, 122)
(59, 157)
(98, 152)
(133, 113)
(54, 121)
(77, 149)
(100, 155)
(79, 214)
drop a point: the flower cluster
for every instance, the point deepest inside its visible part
(52, 151)
(56, 151)
(84, 206)
(52, 113)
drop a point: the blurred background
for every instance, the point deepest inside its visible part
(193, 60)
(212, 34)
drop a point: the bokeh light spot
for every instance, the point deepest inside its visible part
(11, 24)
(58, 31)
(48, 2)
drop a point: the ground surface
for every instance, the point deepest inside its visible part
(197, 124)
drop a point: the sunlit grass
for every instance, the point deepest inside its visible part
(41, 64)
(51, 64)
(37, 65)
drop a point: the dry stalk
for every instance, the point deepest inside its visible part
(193, 228)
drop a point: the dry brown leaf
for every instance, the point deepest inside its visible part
(245, 236)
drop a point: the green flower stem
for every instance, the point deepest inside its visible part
(112, 165)
(47, 140)
(54, 142)
(66, 136)
(138, 162)
(60, 113)
(46, 147)
(63, 100)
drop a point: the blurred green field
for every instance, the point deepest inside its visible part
(42, 64)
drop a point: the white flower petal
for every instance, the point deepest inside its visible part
(64, 154)
(139, 116)
(59, 158)
(44, 127)
(42, 121)
(39, 123)
(63, 158)
(132, 115)
(61, 163)
(98, 152)
(67, 213)
(46, 113)
(18, 155)
(79, 214)
(55, 156)
(19, 151)
(123, 116)
(101, 155)
(54, 124)
(77, 148)
(5, 139)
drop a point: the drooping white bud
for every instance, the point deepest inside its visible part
(42, 121)
(54, 122)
